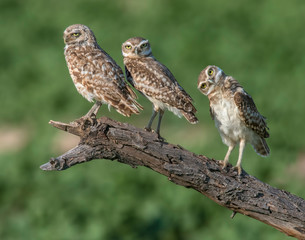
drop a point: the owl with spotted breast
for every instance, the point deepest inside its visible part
(234, 112)
(155, 82)
(96, 76)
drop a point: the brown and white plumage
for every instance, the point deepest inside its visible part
(155, 81)
(234, 112)
(95, 74)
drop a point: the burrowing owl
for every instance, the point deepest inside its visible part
(234, 112)
(95, 74)
(156, 82)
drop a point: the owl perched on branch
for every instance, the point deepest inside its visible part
(155, 82)
(95, 74)
(234, 112)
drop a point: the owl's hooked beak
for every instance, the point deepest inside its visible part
(136, 50)
(66, 38)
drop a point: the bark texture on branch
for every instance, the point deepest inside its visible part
(108, 139)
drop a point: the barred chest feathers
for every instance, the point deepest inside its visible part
(227, 119)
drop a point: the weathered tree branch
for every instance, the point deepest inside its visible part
(108, 139)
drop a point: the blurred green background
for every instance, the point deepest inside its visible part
(260, 43)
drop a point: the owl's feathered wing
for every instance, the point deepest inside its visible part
(97, 76)
(254, 120)
(130, 79)
(154, 80)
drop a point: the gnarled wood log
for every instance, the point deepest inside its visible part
(108, 139)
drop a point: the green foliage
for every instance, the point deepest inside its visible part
(260, 43)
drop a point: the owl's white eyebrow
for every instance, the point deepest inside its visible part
(144, 41)
(128, 43)
(219, 69)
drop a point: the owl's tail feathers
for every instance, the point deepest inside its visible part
(261, 147)
(132, 98)
(138, 105)
(127, 108)
(131, 92)
(190, 116)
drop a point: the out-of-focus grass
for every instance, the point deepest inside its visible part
(260, 43)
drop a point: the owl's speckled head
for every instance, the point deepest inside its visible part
(209, 78)
(136, 47)
(78, 34)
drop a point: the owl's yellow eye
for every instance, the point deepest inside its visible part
(76, 34)
(144, 45)
(210, 72)
(203, 86)
(128, 47)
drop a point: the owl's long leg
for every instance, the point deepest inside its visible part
(94, 109)
(154, 114)
(161, 112)
(242, 145)
(226, 160)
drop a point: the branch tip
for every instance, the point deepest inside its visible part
(47, 167)
(73, 127)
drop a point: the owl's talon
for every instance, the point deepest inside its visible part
(153, 131)
(224, 164)
(238, 169)
(161, 138)
(86, 121)
(147, 129)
